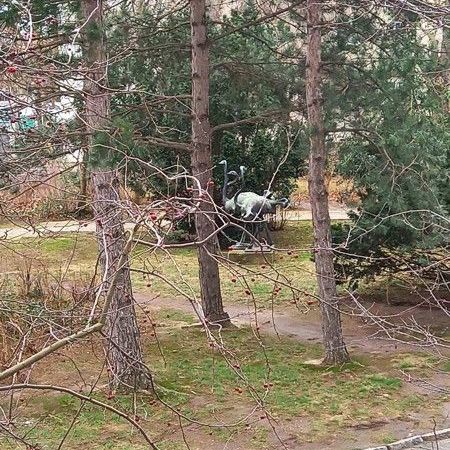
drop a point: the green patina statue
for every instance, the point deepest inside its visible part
(251, 209)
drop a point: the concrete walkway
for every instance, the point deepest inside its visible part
(74, 226)
(441, 445)
(435, 445)
(436, 440)
(305, 214)
(50, 228)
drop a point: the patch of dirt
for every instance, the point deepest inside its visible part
(362, 339)
(407, 295)
(297, 432)
(360, 335)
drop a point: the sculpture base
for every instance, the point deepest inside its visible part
(252, 255)
(247, 248)
(259, 249)
(238, 246)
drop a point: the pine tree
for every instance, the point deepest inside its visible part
(123, 348)
(385, 97)
(333, 340)
(201, 162)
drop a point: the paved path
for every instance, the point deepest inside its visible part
(50, 228)
(440, 445)
(74, 226)
(305, 214)
(443, 445)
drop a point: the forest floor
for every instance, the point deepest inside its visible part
(283, 401)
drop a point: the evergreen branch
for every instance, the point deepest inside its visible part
(259, 20)
(270, 115)
(180, 146)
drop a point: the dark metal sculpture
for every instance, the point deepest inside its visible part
(251, 208)
(229, 204)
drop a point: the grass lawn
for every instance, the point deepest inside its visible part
(292, 273)
(312, 402)
(72, 256)
(269, 377)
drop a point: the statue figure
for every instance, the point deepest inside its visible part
(229, 204)
(250, 207)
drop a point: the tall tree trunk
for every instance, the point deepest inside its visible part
(123, 348)
(201, 163)
(83, 204)
(335, 350)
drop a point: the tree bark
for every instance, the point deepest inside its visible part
(335, 349)
(83, 203)
(201, 164)
(122, 348)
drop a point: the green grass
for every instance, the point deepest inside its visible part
(78, 255)
(194, 378)
(298, 388)
(60, 245)
(94, 429)
(260, 438)
(446, 366)
(387, 438)
(251, 272)
(417, 362)
(173, 315)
